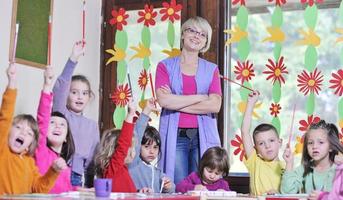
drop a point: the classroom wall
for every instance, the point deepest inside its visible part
(67, 20)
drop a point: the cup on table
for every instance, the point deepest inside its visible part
(103, 187)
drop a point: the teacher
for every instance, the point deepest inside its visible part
(189, 92)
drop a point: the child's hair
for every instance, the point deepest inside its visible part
(31, 121)
(151, 135)
(68, 147)
(262, 128)
(85, 80)
(215, 158)
(333, 138)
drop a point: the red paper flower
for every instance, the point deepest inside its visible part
(119, 18)
(275, 109)
(276, 70)
(147, 16)
(244, 71)
(242, 2)
(170, 11)
(237, 142)
(121, 95)
(305, 124)
(337, 82)
(143, 79)
(310, 82)
(278, 2)
(311, 2)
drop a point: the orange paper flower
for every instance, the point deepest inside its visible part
(143, 79)
(121, 95)
(310, 82)
(170, 11)
(119, 18)
(244, 71)
(276, 70)
(275, 109)
(147, 16)
(237, 142)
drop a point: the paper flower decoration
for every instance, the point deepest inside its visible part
(147, 15)
(142, 51)
(276, 70)
(238, 143)
(299, 145)
(169, 11)
(339, 31)
(276, 35)
(310, 38)
(236, 35)
(310, 82)
(119, 18)
(242, 2)
(244, 71)
(337, 82)
(118, 54)
(305, 124)
(121, 95)
(275, 109)
(278, 2)
(143, 79)
(242, 106)
(173, 53)
(310, 2)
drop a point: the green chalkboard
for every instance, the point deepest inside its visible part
(32, 43)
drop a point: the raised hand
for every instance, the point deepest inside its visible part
(59, 164)
(78, 50)
(253, 97)
(11, 75)
(289, 158)
(48, 79)
(150, 106)
(132, 107)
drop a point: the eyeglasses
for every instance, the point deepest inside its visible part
(195, 32)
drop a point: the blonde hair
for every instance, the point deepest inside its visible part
(203, 25)
(32, 123)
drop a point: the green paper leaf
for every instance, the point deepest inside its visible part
(310, 104)
(311, 58)
(276, 92)
(146, 37)
(340, 108)
(242, 17)
(119, 116)
(171, 34)
(143, 95)
(310, 16)
(146, 63)
(340, 14)
(277, 50)
(277, 18)
(239, 121)
(276, 124)
(245, 92)
(121, 71)
(243, 49)
(121, 40)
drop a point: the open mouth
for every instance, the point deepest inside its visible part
(56, 133)
(19, 142)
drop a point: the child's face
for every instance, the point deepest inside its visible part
(318, 145)
(21, 137)
(79, 96)
(149, 152)
(58, 130)
(211, 175)
(267, 145)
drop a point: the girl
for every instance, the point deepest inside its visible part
(145, 175)
(115, 153)
(55, 137)
(18, 141)
(321, 145)
(214, 166)
(71, 97)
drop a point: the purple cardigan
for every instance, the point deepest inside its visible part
(337, 187)
(85, 131)
(193, 179)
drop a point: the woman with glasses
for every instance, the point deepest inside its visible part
(189, 92)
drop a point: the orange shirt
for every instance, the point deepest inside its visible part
(18, 174)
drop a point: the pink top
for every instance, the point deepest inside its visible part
(186, 120)
(44, 156)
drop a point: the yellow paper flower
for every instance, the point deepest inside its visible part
(276, 35)
(310, 38)
(173, 53)
(243, 105)
(118, 54)
(299, 146)
(236, 35)
(142, 51)
(340, 31)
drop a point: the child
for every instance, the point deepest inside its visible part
(262, 151)
(55, 137)
(116, 151)
(146, 176)
(18, 141)
(321, 145)
(214, 165)
(71, 97)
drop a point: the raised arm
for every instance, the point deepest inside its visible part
(246, 137)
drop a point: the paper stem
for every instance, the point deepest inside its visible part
(291, 128)
(84, 21)
(129, 80)
(49, 41)
(227, 79)
(15, 43)
(152, 86)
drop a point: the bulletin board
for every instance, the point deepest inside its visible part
(32, 41)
